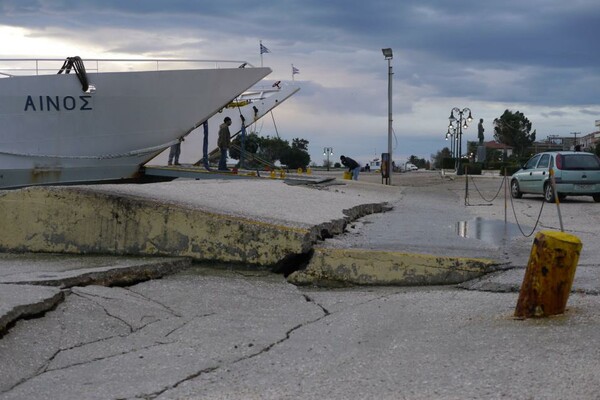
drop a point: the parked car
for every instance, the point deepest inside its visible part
(575, 174)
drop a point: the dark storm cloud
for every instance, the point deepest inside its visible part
(534, 53)
(439, 43)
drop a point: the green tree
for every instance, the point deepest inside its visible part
(251, 144)
(301, 144)
(266, 150)
(418, 162)
(514, 129)
(295, 158)
(439, 156)
(272, 149)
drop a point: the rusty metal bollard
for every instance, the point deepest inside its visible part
(549, 275)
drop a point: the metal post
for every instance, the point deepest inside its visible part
(390, 169)
(388, 54)
(459, 166)
(327, 151)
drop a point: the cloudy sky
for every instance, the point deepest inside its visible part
(539, 57)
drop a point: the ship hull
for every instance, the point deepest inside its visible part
(51, 132)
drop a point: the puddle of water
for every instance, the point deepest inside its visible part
(491, 231)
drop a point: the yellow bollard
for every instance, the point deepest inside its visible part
(347, 175)
(308, 171)
(300, 171)
(282, 174)
(549, 275)
(272, 174)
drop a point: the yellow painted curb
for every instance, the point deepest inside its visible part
(79, 221)
(377, 267)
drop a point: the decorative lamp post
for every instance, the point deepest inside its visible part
(450, 136)
(457, 125)
(387, 53)
(327, 151)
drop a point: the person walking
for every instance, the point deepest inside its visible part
(352, 166)
(223, 142)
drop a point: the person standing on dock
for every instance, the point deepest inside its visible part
(223, 143)
(174, 153)
(352, 166)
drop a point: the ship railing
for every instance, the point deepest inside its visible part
(44, 66)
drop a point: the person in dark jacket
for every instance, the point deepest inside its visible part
(223, 143)
(352, 166)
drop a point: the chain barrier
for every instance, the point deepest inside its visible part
(503, 184)
(537, 221)
(480, 194)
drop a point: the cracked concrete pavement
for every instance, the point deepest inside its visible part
(224, 332)
(216, 334)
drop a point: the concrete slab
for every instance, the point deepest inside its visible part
(67, 271)
(260, 222)
(30, 284)
(430, 217)
(373, 267)
(24, 301)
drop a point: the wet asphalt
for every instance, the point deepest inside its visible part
(222, 331)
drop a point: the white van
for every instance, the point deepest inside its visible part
(410, 167)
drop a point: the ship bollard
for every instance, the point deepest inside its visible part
(299, 171)
(549, 275)
(272, 173)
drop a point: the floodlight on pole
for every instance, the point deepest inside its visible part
(328, 151)
(388, 55)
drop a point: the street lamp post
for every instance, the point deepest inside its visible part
(461, 123)
(450, 136)
(387, 53)
(327, 151)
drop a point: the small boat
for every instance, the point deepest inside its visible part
(245, 111)
(99, 125)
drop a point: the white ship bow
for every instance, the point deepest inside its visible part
(51, 131)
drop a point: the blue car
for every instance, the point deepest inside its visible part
(575, 173)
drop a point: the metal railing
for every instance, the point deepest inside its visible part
(39, 66)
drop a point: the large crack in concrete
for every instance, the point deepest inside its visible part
(265, 349)
(262, 351)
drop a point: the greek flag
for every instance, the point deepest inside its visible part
(295, 70)
(263, 49)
